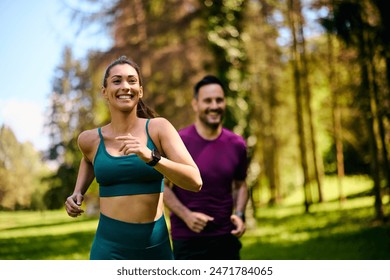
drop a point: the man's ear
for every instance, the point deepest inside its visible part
(194, 104)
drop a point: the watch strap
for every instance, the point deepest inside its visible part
(155, 158)
(240, 214)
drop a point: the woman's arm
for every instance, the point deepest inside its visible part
(177, 164)
(84, 178)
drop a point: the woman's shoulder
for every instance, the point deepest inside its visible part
(87, 139)
(89, 134)
(159, 124)
(161, 129)
(159, 120)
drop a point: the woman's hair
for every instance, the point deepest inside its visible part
(143, 111)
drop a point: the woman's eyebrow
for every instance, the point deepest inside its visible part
(119, 76)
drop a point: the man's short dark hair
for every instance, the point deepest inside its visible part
(207, 80)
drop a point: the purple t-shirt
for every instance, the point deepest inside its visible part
(220, 161)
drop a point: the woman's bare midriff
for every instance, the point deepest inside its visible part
(141, 208)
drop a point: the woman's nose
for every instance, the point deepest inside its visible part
(126, 85)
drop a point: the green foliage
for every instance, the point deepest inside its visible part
(360, 26)
(74, 105)
(71, 108)
(224, 21)
(243, 42)
(355, 162)
(21, 170)
(167, 40)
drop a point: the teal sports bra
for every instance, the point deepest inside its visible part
(125, 175)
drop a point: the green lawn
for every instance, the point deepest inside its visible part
(48, 235)
(331, 231)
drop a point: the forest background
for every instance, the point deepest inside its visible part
(308, 88)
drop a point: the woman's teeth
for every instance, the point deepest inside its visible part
(124, 96)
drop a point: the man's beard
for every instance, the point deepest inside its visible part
(212, 125)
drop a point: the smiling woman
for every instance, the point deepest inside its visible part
(130, 156)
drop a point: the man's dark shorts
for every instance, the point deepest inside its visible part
(223, 247)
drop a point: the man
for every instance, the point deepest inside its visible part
(207, 224)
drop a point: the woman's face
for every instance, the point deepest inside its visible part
(123, 88)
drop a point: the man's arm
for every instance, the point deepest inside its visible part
(240, 198)
(174, 204)
(195, 221)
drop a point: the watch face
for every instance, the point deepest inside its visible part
(155, 157)
(156, 154)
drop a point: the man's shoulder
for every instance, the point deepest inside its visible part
(232, 136)
(187, 130)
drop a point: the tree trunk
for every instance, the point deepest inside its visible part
(377, 109)
(318, 166)
(270, 54)
(140, 18)
(298, 100)
(336, 117)
(366, 102)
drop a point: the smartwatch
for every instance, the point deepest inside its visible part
(155, 158)
(241, 215)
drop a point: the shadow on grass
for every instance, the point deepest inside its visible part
(43, 225)
(327, 234)
(47, 247)
(367, 244)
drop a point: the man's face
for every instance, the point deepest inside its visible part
(210, 105)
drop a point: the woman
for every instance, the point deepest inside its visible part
(130, 157)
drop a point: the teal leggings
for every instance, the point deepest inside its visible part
(117, 240)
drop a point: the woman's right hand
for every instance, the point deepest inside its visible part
(73, 205)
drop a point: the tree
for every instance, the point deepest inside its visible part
(383, 40)
(297, 49)
(75, 107)
(166, 39)
(264, 68)
(356, 27)
(21, 169)
(224, 26)
(177, 42)
(336, 117)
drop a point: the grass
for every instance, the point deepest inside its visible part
(331, 231)
(48, 235)
(325, 234)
